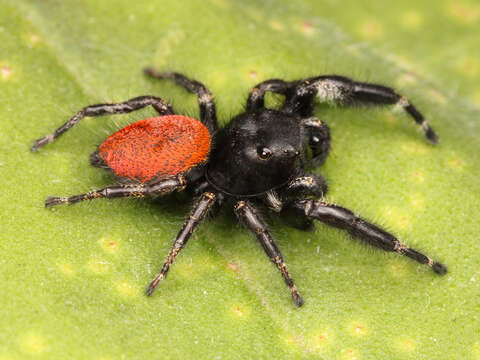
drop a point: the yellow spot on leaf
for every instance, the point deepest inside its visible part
(221, 3)
(96, 266)
(320, 340)
(464, 12)
(468, 66)
(66, 268)
(418, 177)
(239, 311)
(414, 147)
(417, 201)
(126, 289)
(476, 350)
(397, 217)
(293, 341)
(253, 74)
(371, 29)
(194, 267)
(349, 354)
(412, 20)
(476, 97)
(456, 163)
(405, 344)
(33, 343)
(254, 14)
(405, 79)
(276, 25)
(5, 72)
(166, 46)
(109, 244)
(307, 28)
(397, 269)
(437, 96)
(357, 328)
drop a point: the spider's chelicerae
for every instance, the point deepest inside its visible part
(259, 159)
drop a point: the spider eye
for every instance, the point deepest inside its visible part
(264, 153)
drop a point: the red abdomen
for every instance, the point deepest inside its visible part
(158, 146)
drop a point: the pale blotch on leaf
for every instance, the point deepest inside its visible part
(218, 79)
(418, 177)
(476, 97)
(224, 4)
(32, 39)
(109, 244)
(414, 147)
(194, 267)
(357, 328)
(126, 289)
(437, 96)
(276, 25)
(293, 341)
(320, 340)
(166, 46)
(32, 343)
(5, 72)
(96, 266)
(232, 266)
(405, 79)
(397, 269)
(468, 66)
(405, 344)
(476, 350)
(417, 201)
(371, 29)
(307, 28)
(391, 119)
(396, 217)
(349, 354)
(252, 74)
(65, 268)
(464, 12)
(411, 20)
(239, 311)
(254, 14)
(456, 163)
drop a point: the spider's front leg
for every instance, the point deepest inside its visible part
(160, 105)
(247, 215)
(340, 217)
(342, 90)
(156, 187)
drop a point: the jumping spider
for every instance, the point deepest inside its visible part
(258, 158)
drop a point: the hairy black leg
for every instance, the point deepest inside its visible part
(247, 215)
(153, 188)
(161, 106)
(257, 95)
(339, 89)
(200, 209)
(340, 217)
(318, 139)
(208, 115)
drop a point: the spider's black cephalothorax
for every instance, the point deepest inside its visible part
(259, 159)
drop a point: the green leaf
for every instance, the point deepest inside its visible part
(73, 277)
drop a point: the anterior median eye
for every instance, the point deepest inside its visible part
(264, 153)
